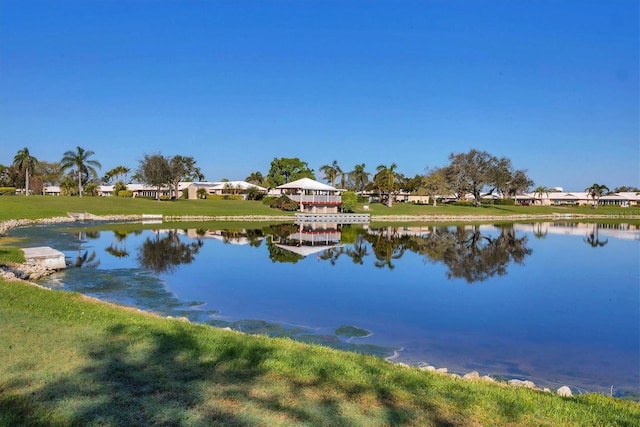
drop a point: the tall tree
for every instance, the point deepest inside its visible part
(183, 168)
(82, 162)
(435, 184)
(385, 180)
(24, 161)
(49, 172)
(472, 172)
(287, 169)
(119, 173)
(6, 179)
(154, 170)
(595, 192)
(519, 183)
(331, 172)
(359, 177)
(626, 188)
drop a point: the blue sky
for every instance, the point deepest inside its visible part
(552, 85)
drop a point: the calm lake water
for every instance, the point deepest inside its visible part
(555, 303)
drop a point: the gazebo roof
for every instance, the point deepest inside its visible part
(305, 250)
(306, 184)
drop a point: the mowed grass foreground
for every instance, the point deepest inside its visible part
(33, 207)
(71, 360)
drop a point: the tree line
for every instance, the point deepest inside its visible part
(475, 172)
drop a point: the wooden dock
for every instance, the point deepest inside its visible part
(334, 218)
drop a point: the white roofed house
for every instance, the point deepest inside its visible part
(623, 199)
(222, 187)
(312, 196)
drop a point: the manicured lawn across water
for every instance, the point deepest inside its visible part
(16, 207)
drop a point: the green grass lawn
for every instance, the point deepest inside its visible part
(69, 360)
(32, 207)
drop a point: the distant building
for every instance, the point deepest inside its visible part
(222, 187)
(312, 196)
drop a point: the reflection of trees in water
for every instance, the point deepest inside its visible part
(278, 232)
(593, 239)
(467, 252)
(277, 254)
(254, 237)
(164, 254)
(359, 250)
(387, 245)
(118, 247)
(476, 257)
(540, 230)
(85, 258)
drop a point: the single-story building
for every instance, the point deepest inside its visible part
(222, 187)
(312, 196)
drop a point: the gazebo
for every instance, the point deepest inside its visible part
(313, 196)
(312, 238)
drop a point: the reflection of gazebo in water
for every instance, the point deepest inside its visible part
(312, 238)
(313, 196)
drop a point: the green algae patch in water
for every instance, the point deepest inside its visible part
(351, 332)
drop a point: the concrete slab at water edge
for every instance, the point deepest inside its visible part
(46, 256)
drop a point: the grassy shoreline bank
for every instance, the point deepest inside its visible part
(72, 360)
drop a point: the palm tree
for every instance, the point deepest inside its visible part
(595, 191)
(386, 178)
(359, 177)
(256, 178)
(593, 239)
(117, 172)
(331, 172)
(26, 162)
(79, 160)
(540, 191)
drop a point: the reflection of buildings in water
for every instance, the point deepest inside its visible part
(312, 238)
(424, 231)
(232, 237)
(401, 231)
(618, 231)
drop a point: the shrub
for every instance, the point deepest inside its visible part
(7, 191)
(118, 187)
(164, 197)
(225, 197)
(462, 203)
(254, 193)
(124, 193)
(91, 189)
(349, 201)
(201, 193)
(284, 203)
(267, 200)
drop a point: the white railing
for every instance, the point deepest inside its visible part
(335, 218)
(315, 198)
